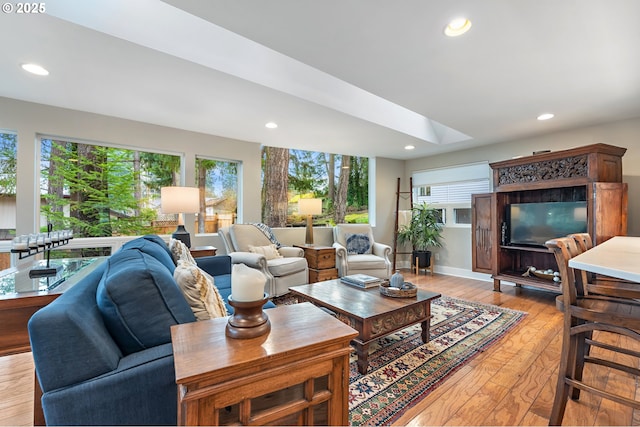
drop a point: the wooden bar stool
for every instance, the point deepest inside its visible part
(585, 314)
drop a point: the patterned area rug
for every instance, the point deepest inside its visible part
(403, 370)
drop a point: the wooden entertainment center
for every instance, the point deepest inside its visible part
(592, 173)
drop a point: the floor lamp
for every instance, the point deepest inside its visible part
(180, 200)
(309, 207)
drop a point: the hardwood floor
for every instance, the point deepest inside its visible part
(16, 390)
(512, 383)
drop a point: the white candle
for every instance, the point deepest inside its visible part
(247, 284)
(19, 243)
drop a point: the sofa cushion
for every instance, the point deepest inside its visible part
(199, 290)
(156, 247)
(140, 301)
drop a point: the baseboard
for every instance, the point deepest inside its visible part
(452, 271)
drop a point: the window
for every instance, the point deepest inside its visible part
(462, 215)
(103, 191)
(8, 174)
(456, 192)
(444, 189)
(342, 182)
(218, 180)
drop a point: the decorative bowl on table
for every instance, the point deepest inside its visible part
(407, 290)
(548, 274)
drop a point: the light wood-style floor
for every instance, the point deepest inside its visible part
(512, 383)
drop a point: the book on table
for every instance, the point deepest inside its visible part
(361, 280)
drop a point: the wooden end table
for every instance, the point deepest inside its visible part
(370, 313)
(296, 374)
(322, 262)
(200, 251)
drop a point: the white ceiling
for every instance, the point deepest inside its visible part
(362, 77)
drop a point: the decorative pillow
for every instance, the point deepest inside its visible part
(269, 252)
(139, 301)
(179, 251)
(358, 244)
(199, 290)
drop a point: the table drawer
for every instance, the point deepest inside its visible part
(322, 275)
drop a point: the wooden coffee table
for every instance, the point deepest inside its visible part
(367, 311)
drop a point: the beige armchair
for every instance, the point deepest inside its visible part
(357, 252)
(290, 269)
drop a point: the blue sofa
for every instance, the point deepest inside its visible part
(102, 350)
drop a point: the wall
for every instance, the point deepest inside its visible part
(455, 256)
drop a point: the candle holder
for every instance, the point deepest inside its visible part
(248, 319)
(26, 246)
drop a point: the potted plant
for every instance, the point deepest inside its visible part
(424, 231)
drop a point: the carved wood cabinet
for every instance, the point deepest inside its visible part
(592, 173)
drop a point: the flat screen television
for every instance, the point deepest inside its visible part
(532, 224)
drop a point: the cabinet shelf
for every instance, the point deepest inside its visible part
(517, 278)
(524, 248)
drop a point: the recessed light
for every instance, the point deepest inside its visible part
(35, 69)
(271, 125)
(409, 147)
(545, 116)
(457, 27)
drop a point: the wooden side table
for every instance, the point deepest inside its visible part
(297, 374)
(322, 262)
(200, 251)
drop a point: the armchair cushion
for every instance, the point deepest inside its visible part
(358, 243)
(245, 235)
(285, 266)
(366, 262)
(141, 319)
(268, 232)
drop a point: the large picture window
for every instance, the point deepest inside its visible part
(218, 183)
(341, 181)
(100, 191)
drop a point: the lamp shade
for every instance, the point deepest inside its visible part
(310, 206)
(176, 200)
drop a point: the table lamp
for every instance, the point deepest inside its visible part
(309, 207)
(180, 200)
